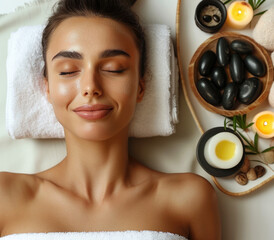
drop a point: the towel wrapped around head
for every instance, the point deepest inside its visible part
(30, 115)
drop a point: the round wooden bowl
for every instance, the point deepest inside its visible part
(210, 44)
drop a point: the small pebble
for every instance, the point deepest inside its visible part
(241, 178)
(207, 18)
(246, 165)
(251, 174)
(216, 18)
(260, 170)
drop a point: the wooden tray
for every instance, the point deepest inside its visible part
(206, 120)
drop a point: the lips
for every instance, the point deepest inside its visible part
(93, 112)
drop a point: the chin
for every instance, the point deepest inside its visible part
(98, 133)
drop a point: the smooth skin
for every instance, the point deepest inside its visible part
(98, 187)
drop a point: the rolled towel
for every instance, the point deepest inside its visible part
(263, 32)
(111, 235)
(30, 115)
(161, 89)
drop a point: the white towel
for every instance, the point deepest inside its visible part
(116, 235)
(157, 113)
(29, 115)
(14, 5)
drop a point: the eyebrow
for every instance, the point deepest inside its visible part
(113, 53)
(68, 54)
(105, 54)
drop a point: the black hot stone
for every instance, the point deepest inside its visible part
(208, 91)
(216, 18)
(207, 62)
(219, 77)
(207, 18)
(250, 90)
(223, 51)
(237, 69)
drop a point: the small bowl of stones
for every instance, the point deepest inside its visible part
(210, 15)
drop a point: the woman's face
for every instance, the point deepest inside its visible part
(93, 76)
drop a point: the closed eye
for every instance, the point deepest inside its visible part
(115, 71)
(67, 73)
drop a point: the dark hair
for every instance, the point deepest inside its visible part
(118, 10)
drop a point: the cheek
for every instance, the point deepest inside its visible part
(125, 91)
(62, 93)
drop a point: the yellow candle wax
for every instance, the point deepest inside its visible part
(264, 124)
(239, 14)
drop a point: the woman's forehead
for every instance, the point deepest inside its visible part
(91, 32)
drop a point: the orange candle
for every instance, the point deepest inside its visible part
(264, 124)
(239, 14)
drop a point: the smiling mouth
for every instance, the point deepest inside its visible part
(94, 112)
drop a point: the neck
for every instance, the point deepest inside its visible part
(93, 170)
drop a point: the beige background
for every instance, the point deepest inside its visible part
(250, 217)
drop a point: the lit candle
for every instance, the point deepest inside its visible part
(264, 124)
(239, 14)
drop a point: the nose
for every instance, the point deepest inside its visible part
(91, 85)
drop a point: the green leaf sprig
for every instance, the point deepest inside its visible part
(239, 122)
(228, 1)
(256, 4)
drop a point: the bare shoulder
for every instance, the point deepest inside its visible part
(185, 187)
(15, 190)
(17, 187)
(185, 180)
(192, 199)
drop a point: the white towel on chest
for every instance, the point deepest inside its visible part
(29, 115)
(117, 235)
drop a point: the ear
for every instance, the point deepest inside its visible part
(141, 90)
(47, 89)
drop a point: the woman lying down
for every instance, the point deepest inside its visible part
(94, 52)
